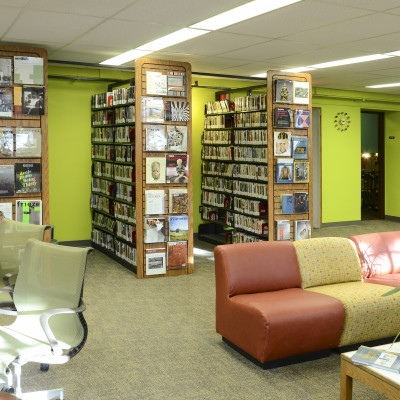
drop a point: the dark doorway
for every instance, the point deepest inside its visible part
(372, 165)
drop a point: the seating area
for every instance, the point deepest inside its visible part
(276, 300)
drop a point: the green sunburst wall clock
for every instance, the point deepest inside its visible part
(342, 121)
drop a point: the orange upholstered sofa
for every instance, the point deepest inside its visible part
(278, 300)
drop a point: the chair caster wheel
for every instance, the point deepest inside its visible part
(44, 367)
(7, 389)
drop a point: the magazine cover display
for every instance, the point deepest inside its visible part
(283, 230)
(6, 209)
(177, 111)
(155, 138)
(300, 147)
(5, 72)
(32, 100)
(28, 178)
(301, 202)
(284, 170)
(176, 83)
(300, 171)
(177, 255)
(152, 109)
(176, 138)
(6, 142)
(283, 91)
(154, 230)
(282, 144)
(28, 70)
(178, 228)
(154, 201)
(301, 92)
(156, 83)
(177, 168)
(155, 170)
(28, 142)
(178, 201)
(28, 211)
(302, 229)
(6, 180)
(283, 117)
(287, 203)
(6, 102)
(155, 261)
(302, 119)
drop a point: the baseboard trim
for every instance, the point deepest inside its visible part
(77, 243)
(392, 218)
(340, 223)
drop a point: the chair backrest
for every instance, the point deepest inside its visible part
(51, 276)
(13, 238)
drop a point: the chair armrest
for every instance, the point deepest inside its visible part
(7, 277)
(44, 321)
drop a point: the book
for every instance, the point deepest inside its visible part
(302, 229)
(372, 357)
(5, 72)
(6, 209)
(176, 138)
(177, 255)
(6, 142)
(283, 230)
(17, 100)
(178, 228)
(154, 201)
(300, 171)
(300, 202)
(152, 109)
(176, 83)
(6, 180)
(155, 169)
(28, 178)
(6, 102)
(28, 211)
(156, 83)
(284, 170)
(178, 201)
(287, 203)
(302, 119)
(282, 144)
(283, 117)
(300, 147)
(28, 70)
(155, 138)
(32, 100)
(28, 142)
(154, 230)
(155, 261)
(177, 168)
(177, 111)
(301, 92)
(283, 91)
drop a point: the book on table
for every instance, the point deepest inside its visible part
(377, 358)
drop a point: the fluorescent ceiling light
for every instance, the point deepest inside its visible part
(348, 61)
(393, 53)
(125, 57)
(262, 75)
(171, 39)
(298, 69)
(241, 13)
(383, 86)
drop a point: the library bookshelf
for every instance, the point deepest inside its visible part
(17, 121)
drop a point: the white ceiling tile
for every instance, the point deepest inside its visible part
(14, 3)
(378, 44)
(395, 11)
(375, 5)
(7, 17)
(39, 26)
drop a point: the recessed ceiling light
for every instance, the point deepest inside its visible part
(348, 61)
(125, 57)
(241, 13)
(384, 86)
(262, 75)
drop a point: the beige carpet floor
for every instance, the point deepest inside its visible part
(155, 339)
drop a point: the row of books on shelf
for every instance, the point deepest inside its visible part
(160, 260)
(232, 170)
(239, 120)
(285, 117)
(291, 91)
(235, 153)
(290, 171)
(22, 100)
(121, 115)
(242, 103)
(166, 137)
(118, 190)
(172, 168)
(158, 110)
(126, 212)
(111, 134)
(108, 241)
(296, 203)
(242, 237)
(166, 83)
(114, 153)
(285, 144)
(216, 184)
(241, 188)
(216, 107)
(155, 201)
(302, 229)
(26, 211)
(258, 226)
(21, 70)
(27, 143)
(20, 178)
(114, 98)
(248, 136)
(121, 229)
(118, 172)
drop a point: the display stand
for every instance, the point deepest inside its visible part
(27, 121)
(150, 76)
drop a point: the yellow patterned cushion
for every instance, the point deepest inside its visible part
(369, 316)
(323, 261)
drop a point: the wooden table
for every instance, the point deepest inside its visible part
(7, 396)
(384, 382)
